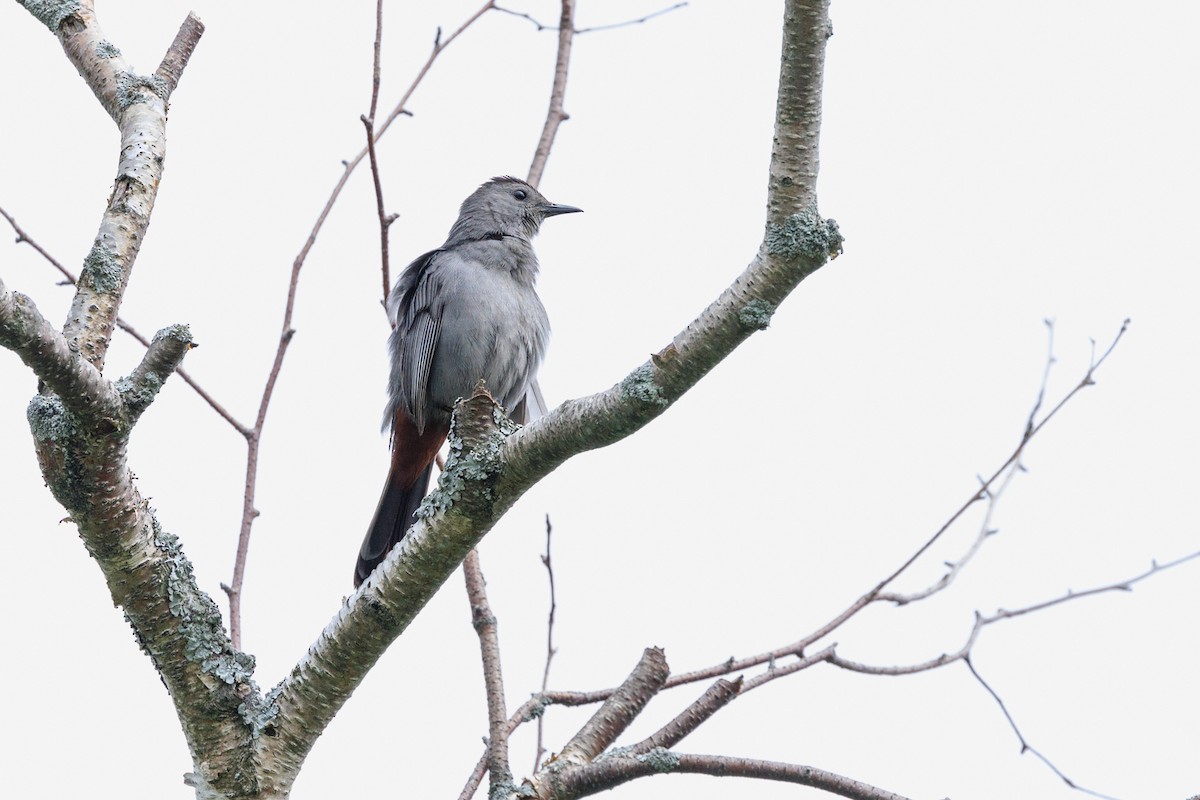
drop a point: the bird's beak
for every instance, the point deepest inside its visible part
(554, 209)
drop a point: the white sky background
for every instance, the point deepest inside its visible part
(990, 167)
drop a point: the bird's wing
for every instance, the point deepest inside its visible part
(531, 407)
(416, 309)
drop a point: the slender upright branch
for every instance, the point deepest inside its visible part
(233, 589)
(385, 220)
(484, 622)
(555, 115)
(540, 750)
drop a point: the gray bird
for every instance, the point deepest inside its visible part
(464, 312)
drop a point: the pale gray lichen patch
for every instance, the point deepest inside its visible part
(259, 713)
(660, 759)
(140, 395)
(805, 235)
(756, 315)
(502, 789)
(478, 465)
(536, 710)
(180, 332)
(506, 425)
(133, 88)
(204, 639)
(50, 421)
(639, 386)
(51, 12)
(102, 269)
(106, 49)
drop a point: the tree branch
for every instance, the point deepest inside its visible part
(491, 465)
(163, 357)
(82, 432)
(615, 770)
(618, 711)
(180, 52)
(233, 590)
(25, 238)
(138, 104)
(555, 115)
(484, 622)
(550, 650)
(85, 393)
(716, 697)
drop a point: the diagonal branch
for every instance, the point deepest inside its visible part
(490, 466)
(613, 771)
(180, 52)
(23, 329)
(618, 711)
(716, 697)
(25, 238)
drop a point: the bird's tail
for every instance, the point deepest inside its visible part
(408, 480)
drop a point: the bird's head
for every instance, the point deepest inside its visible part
(503, 207)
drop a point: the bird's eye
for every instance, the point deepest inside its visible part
(520, 194)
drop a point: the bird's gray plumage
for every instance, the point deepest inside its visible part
(465, 312)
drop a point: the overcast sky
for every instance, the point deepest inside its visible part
(990, 166)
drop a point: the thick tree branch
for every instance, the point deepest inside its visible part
(85, 393)
(618, 711)
(81, 432)
(490, 466)
(138, 104)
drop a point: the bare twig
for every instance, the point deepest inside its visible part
(629, 22)
(1025, 746)
(981, 621)
(607, 27)
(385, 220)
(550, 650)
(797, 648)
(24, 238)
(234, 589)
(489, 645)
(992, 496)
(555, 115)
